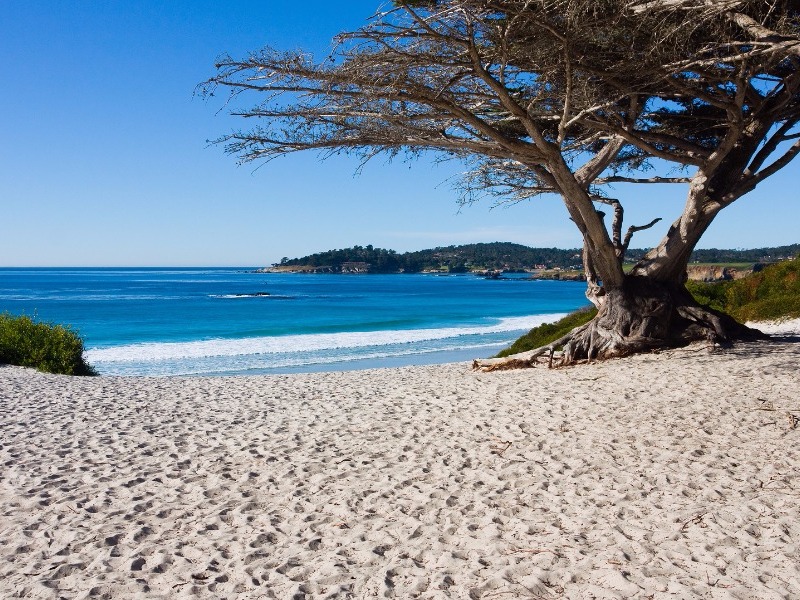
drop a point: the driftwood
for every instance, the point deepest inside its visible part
(522, 359)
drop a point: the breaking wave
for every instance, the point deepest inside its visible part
(271, 352)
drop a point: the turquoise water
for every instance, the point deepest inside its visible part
(229, 321)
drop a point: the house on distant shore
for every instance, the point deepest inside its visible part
(355, 267)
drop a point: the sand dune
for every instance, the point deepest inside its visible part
(658, 476)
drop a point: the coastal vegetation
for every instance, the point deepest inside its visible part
(547, 333)
(772, 293)
(565, 98)
(43, 346)
(500, 256)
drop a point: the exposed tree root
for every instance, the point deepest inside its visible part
(640, 317)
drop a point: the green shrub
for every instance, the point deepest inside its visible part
(772, 293)
(43, 346)
(549, 332)
(770, 309)
(712, 295)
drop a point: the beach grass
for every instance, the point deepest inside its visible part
(44, 346)
(549, 332)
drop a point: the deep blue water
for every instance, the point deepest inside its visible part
(184, 321)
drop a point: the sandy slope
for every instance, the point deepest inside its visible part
(660, 476)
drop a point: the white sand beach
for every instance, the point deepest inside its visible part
(674, 475)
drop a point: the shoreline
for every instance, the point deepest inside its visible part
(433, 357)
(663, 476)
(315, 352)
(423, 359)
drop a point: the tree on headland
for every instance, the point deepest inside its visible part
(563, 97)
(507, 256)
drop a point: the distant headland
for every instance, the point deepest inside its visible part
(495, 258)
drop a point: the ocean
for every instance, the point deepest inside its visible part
(228, 321)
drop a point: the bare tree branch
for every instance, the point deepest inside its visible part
(648, 180)
(616, 225)
(769, 147)
(779, 164)
(633, 229)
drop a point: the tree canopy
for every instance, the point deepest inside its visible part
(552, 96)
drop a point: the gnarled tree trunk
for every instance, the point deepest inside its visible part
(644, 314)
(639, 316)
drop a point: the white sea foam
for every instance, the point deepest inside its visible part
(265, 296)
(255, 363)
(290, 344)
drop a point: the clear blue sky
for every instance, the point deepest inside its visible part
(104, 159)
